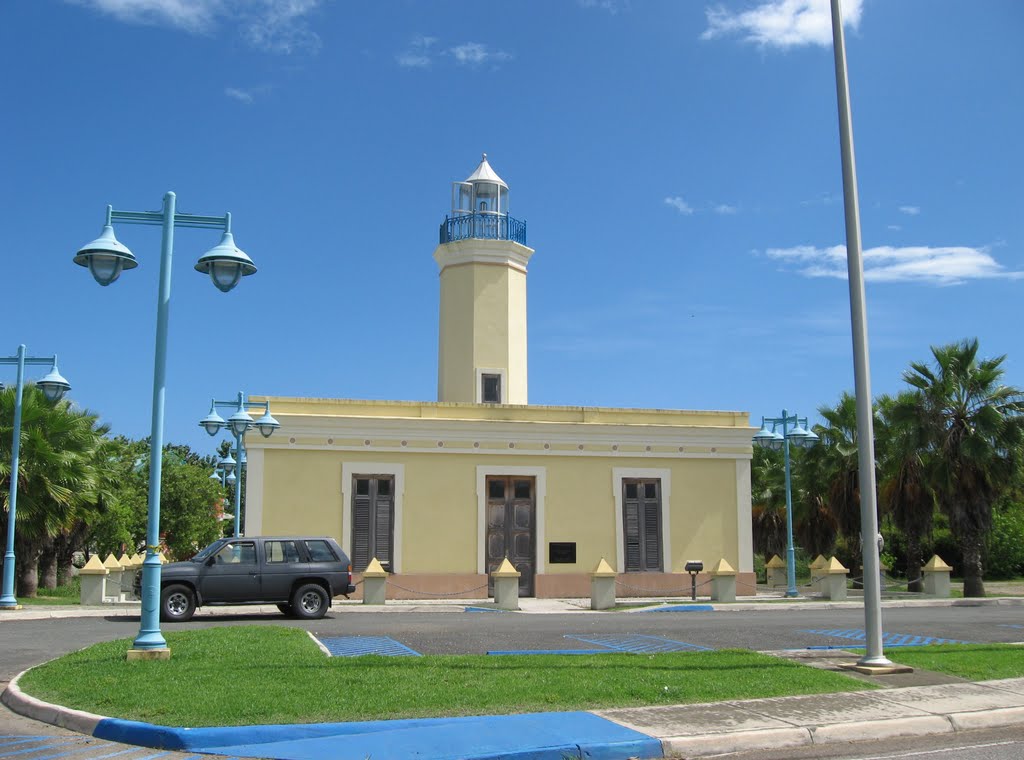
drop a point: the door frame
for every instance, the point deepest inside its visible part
(665, 475)
(540, 481)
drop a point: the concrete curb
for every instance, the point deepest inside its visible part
(56, 715)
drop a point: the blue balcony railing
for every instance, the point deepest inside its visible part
(486, 226)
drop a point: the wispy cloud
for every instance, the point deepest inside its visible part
(781, 23)
(910, 210)
(276, 26)
(949, 265)
(679, 205)
(827, 199)
(724, 209)
(475, 54)
(417, 55)
(246, 95)
(894, 227)
(612, 6)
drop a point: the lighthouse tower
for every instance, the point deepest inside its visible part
(482, 256)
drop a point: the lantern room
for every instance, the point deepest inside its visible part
(482, 192)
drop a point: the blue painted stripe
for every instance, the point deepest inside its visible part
(358, 646)
(115, 754)
(80, 748)
(482, 609)
(641, 644)
(38, 749)
(681, 608)
(888, 639)
(536, 736)
(20, 741)
(552, 651)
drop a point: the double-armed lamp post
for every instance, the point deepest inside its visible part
(238, 424)
(106, 258)
(54, 387)
(795, 431)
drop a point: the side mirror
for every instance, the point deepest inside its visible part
(211, 561)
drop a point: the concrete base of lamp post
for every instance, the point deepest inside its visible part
(506, 586)
(602, 586)
(148, 654)
(10, 608)
(375, 583)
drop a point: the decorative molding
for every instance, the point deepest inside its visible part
(505, 253)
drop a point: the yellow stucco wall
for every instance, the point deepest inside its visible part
(302, 493)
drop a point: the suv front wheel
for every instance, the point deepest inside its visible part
(309, 602)
(177, 604)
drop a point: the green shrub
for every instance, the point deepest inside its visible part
(1006, 542)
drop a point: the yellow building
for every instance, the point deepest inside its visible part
(441, 492)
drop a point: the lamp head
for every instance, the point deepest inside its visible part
(105, 257)
(240, 421)
(53, 385)
(231, 479)
(212, 422)
(225, 263)
(766, 438)
(801, 436)
(227, 464)
(267, 424)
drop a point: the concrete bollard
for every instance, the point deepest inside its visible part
(835, 580)
(776, 572)
(375, 583)
(137, 560)
(127, 575)
(936, 577)
(818, 576)
(602, 586)
(506, 586)
(723, 582)
(93, 578)
(112, 587)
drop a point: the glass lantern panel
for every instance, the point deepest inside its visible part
(502, 200)
(486, 200)
(462, 197)
(225, 274)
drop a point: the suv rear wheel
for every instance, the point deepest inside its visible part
(309, 602)
(177, 604)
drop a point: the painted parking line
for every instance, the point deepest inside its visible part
(358, 646)
(482, 609)
(1010, 625)
(681, 608)
(888, 639)
(638, 644)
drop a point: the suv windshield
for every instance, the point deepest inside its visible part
(209, 550)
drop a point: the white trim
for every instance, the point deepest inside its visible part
(540, 475)
(744, 518)
(665, 475)
(348, 469)
(500, 372)
(254, 491)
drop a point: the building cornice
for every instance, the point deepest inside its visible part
(505, 253)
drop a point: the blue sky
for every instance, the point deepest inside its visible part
(677, 164)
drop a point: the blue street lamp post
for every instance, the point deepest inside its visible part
(54, 387)
(238, 424)
(106, 258)
(799, 435)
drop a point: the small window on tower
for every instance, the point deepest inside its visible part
(490, 392)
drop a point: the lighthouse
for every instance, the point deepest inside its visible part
(482, 257)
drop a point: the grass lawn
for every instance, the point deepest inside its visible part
(976, 662)
(261, 674)
(48, 601)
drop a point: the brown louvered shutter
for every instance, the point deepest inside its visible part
(652, 536)
(361, 524)
(631, 518)
(382, 523)
(641, 515)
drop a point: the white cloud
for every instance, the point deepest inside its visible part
(725, 209)
(612, 6)
(894, 227)
(417, 56)
(474, 54)
(910, 210)
(277, 26)
(781, 23)
(242, 96)
(948, 265)
(679, 205)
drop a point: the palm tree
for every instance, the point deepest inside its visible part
(973, 426)
(55, 474)
(768, 502)
(904, 488)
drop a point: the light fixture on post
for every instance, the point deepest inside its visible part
(238, 424)
(106, 259)
(798, 435)
(54, 387)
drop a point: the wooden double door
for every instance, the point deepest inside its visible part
(511, 528)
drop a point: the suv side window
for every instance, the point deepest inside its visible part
(237, 553)
(320, 551)
(282, 551)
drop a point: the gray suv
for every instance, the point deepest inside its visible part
(301, 575)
